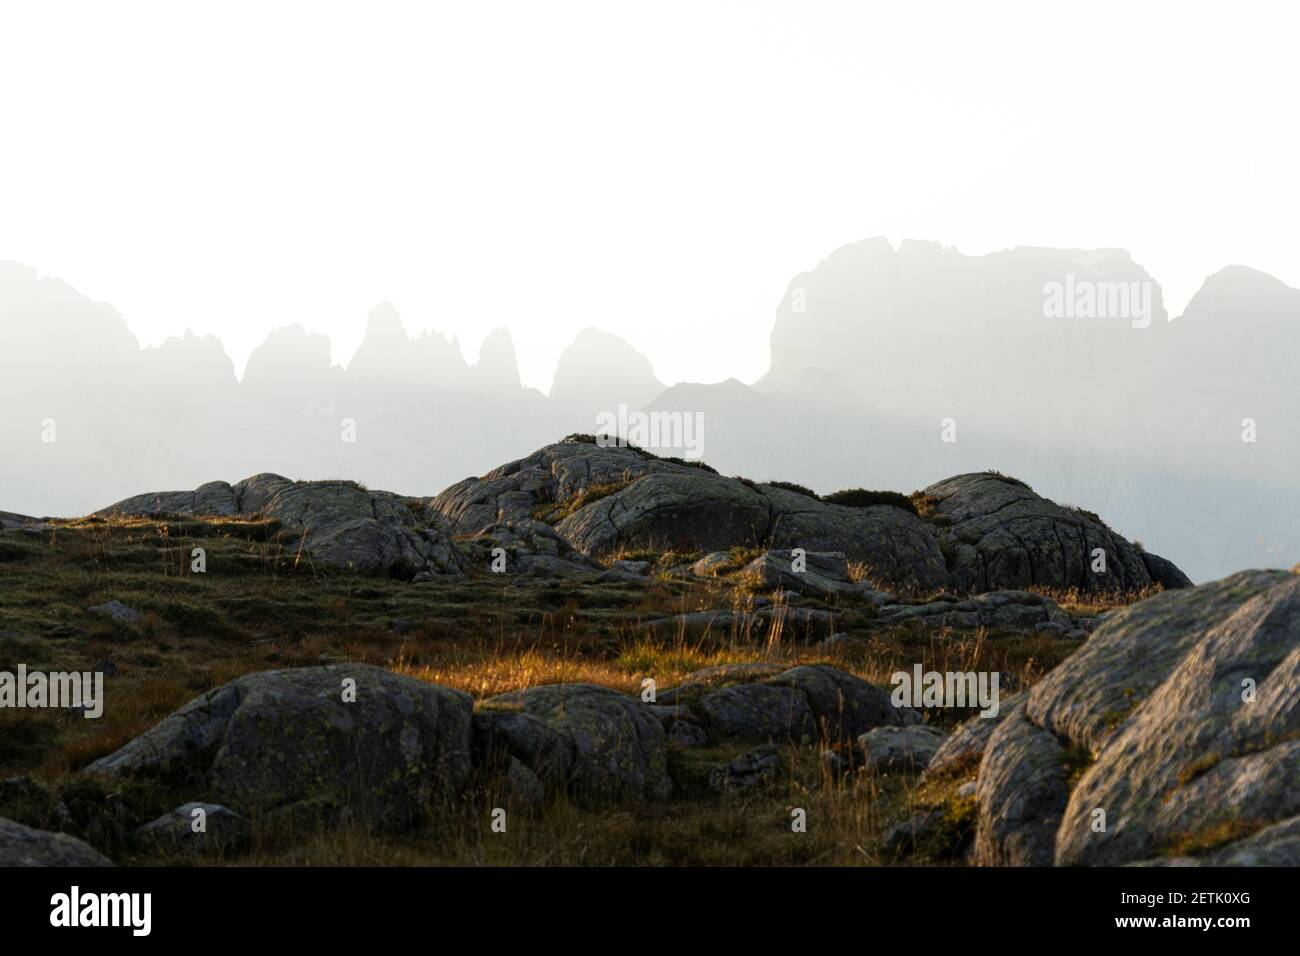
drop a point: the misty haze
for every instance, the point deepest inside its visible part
(592, 437)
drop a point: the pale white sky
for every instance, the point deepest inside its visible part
(657, 169)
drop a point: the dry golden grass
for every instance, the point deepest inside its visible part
(1085, 603)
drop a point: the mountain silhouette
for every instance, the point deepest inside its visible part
(875, 352)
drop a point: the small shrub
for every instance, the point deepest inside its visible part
(927, 508)
(690, 463)
(797, 489)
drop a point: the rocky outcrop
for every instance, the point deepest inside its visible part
(23, 846)
(559, 510)
(997, 534)
(591, 741)
(607, 499)
(343, 742)
(554, 474)
(338, 523)
(1180, 718)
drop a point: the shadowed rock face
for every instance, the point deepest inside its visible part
(339, 523)
(590, 740)
(1001, 535)
(1186, 757)
(287, 742)
(23, 846)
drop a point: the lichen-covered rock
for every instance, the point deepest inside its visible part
(1195, 757)
(592, 741)
(23, 846)
(288, 742)
(1022, 789)
(338, 523)
(1000, 535)
(1278, 845)
(1181, 715)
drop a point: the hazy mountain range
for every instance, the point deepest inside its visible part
(878, 354)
